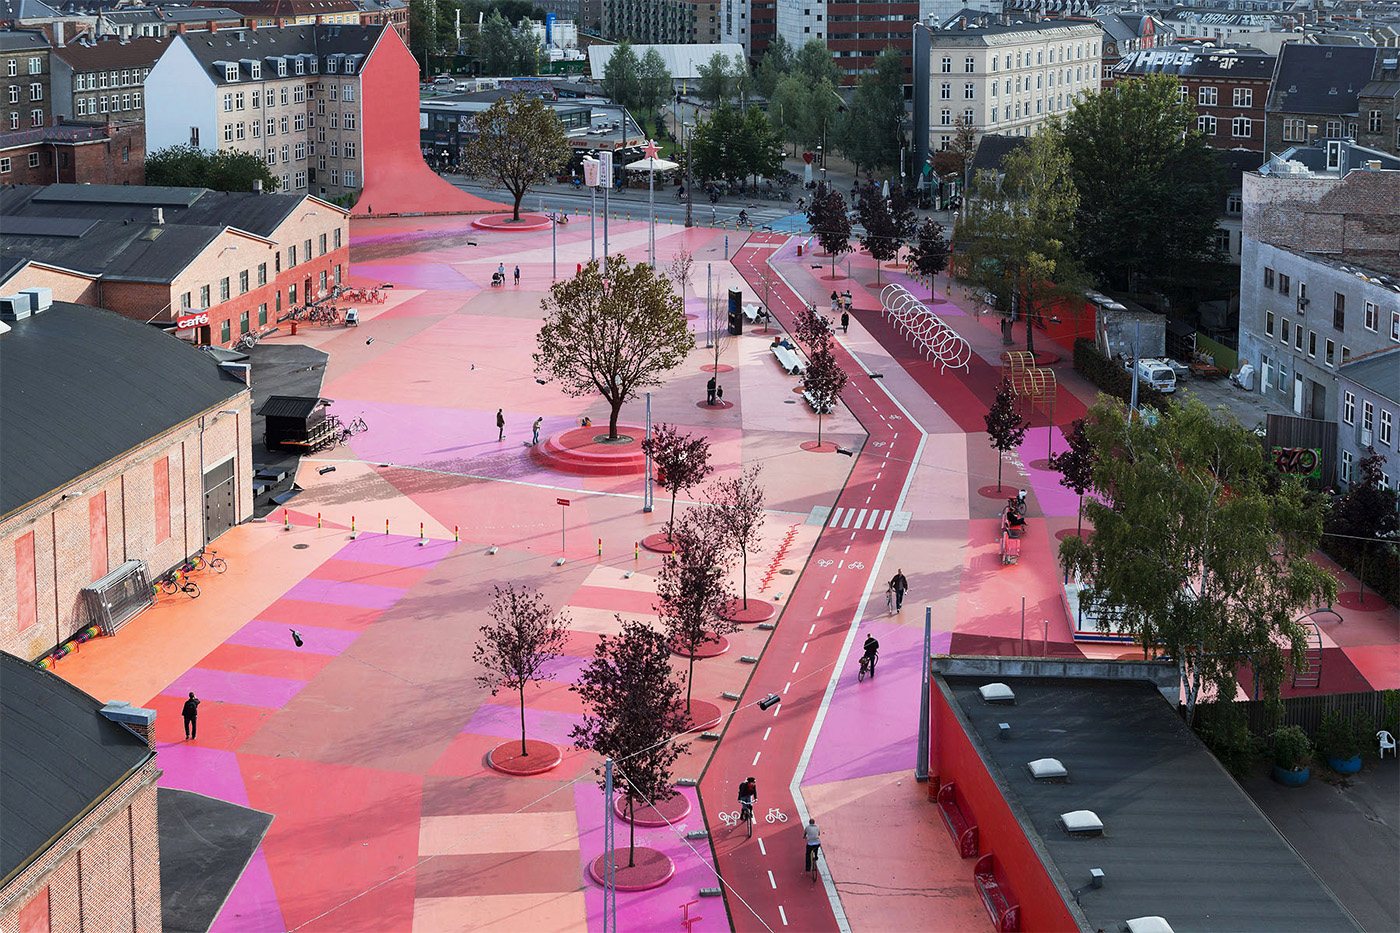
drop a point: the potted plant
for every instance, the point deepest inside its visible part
(1340, 740)
(1292, 752)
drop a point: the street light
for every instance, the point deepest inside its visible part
(651, 165)
(689, 130)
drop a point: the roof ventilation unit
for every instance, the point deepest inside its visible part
(1049, 770)
(16, 307)
(997, 693)
(1082, 823)
(40, 298)
(1149, 925)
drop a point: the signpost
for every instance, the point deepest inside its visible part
(564, 504)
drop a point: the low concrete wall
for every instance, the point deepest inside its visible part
(1162, 674)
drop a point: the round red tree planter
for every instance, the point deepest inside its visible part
(651, 869)
(757, 611)
(506, 758)
(665, 813)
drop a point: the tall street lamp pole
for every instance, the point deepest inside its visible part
(689, 130)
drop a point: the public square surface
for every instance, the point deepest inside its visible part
(368, 743)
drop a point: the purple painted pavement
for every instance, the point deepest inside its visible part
(208, 771)
(659, 908)
(867, 730)
(1054, 499)
(319, 639)
(432, 275)
(503, 722)
(341, 593)
(564, 669)
(252, 904)
(394, 550)
(230, 687)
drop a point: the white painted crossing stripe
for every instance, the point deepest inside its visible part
(860, 519)
(884, 519)
(850, 514)
(836, 516)
(782, 913)
(771, 881)
(874, 514)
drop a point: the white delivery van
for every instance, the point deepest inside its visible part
(1156, 373)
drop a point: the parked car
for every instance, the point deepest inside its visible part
(1156, 373)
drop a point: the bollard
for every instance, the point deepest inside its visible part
(600, 547)
(318, 519)
(422, 541)
(286, 522)
(636, 551)
(455, 535)
(353, 533)
(386, 526)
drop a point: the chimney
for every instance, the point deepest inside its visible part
(257, 186)
(253, 25)
(962, 22)
(158, 216)
(180, 29)
(58, 33)
(138, 720)
(213, 27)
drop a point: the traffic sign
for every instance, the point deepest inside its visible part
(562, 501)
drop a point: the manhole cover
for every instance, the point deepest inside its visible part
(302, 547)
(787, 573)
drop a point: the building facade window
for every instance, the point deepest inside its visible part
(204, 296)
(1339, 312)
(1244, 97)
(1284, 284)
(1295, 130)
(1373, 316)
(1206, 125)
(1269, 323)
(1268, 277)
(1241, 127)
(1346, 467)
(1384, 435)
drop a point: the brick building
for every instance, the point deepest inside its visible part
(855, 32)
(1229, 88)
(131, 22)
(266, 13)
(392, 13)
(1317, 95)
(79, 804)
(75, 153)
(156, 470)
(24, 79)
(210, 266)
(103, 78)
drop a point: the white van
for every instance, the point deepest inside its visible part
(1156, 373)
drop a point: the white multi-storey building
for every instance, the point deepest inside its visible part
(1008, 79)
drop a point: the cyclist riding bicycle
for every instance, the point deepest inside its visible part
(748, 795)
(872, 652)
(814, 844)
(743, 218)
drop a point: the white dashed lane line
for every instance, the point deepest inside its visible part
(765, 733)
(771, 881)
(755, 757)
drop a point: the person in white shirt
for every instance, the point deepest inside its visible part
(814, 844)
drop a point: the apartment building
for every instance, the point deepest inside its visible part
(267, 13)
(25, 98)
(1317, 95)
(1007, 79)
(1367, 412)
(1229, 87)
(654, 22)
(855, 32)
(131, 22)
(291, 95)
(103, 79)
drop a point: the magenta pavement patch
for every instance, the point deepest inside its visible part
(1053, 499)
(230, 687)
(503, 722)
(393, 550)
(208, 771)
(866, 730)
(342, 593)
(318, 639)
(252, 905)
(659, 908)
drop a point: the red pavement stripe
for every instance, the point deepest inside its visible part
(445, 795)
(499, 873)
(354, 571)
(222, 726)
(294, 611)
(269, 662)
(605, 597)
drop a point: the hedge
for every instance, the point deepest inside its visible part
(1382, 566)
(1111, 377)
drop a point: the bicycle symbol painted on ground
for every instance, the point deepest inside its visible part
(895, 417)
(775, 815)
(825, 562)
(856, 565)
(878, 444)
(730, 819)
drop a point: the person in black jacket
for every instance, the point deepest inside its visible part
(191, 715)
(899, 584)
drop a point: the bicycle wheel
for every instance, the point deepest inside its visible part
(191, 590)
(218, 565)
(168, 586)
(750, 822)
(197, 562)
(860, 675)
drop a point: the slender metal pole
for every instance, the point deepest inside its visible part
(554, 248)
(651, 208)
(592, 231)
(611, 169)
(1023, 626)
(922, 748)
(646, 483)
(689, 180)
(1133, 403)
(563, 511)
(609, 853)
(709, 308)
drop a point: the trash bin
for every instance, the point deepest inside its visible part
(294, 328)
(799, 249)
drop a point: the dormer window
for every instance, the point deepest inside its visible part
(301, 66)
(230, 72)
(315, 64)
(255, 70)
(330, 65)
(350, 66)
(281, 67)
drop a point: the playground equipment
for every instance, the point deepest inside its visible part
(929, 335)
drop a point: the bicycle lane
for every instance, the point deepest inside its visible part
(766, 886)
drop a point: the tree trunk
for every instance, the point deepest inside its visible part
(744, 571)
(1079, 518)
(690, 673)
(612, 418)
(819, 423)
(672, 523)
(1001, 457)
(518, 198)
(522, 719)
(631, 833)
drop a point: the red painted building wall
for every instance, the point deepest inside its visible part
(397, 180)
(952, 758)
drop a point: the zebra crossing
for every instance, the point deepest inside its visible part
(860, 519)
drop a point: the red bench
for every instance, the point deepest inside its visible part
(1000, 900)
(958, 822)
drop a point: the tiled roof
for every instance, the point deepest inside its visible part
(241, 46)
(111, 52)
(1320, 79)
(1198, 63)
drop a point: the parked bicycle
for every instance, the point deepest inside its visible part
(212, 562)
(177, 582)
(351, 428)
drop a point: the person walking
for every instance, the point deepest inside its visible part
(501, 270)
(710, 391)
(191, 715)
(899, 584)
(517, 275)
(535, 431)
(500, 424)
(845, 321)
(835, 301)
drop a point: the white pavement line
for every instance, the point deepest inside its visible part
(804, 648)
(861, 517)
(878, 475)
(813, 629)
(827, 596)
(840, 563)
(771, 881)
(862, 511)
(782, 913)
(819, 612)
(795, 666)
(762, 850)
(874, 515)
(848, 550)
(787, 688)
(833, 578)
(765, 733)
(850, 514)
(885, 520)
(755, 757)
(835, 516)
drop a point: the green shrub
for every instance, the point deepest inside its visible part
(1225, 731)
(1339, 736)
(1111, 377)
(1292, 750)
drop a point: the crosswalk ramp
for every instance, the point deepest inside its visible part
(860, 519)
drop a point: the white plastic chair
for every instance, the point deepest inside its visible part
(1387, 741)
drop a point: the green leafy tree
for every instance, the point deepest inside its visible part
(519, 143)
(777, 63)
(741, 80)
(499, 54)
(787, 107)
(1149, 185)
(815, 63)
(930, 251)
(1013, 240)
(1364, 521)
(716, 80)
(1005, 426)
(622, 76)
(1201, 550)
(1076, 466)
(717, 144)
(434, 39)
(222, 170)
(633, 715)
(692, 587)
(524, 635)
(870, 134)
(887, 222)
(654, 81)
(759, 148)
(613, 335)
(527, 50)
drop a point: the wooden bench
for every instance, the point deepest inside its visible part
(999, 899)
(958, 821)
(813, 404)
(792, 363)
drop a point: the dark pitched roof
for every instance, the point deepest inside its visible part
(58, 756)
(79, 392)
(1237, 162)
(992, 149)
(1379, 372)
(172, 15)
(1181, 839)
(1116, 27)
(27, 9)
(111, 52)
(1320, 78)
(1198, 63)
(20, 40)
(996, 29)
(234, 46)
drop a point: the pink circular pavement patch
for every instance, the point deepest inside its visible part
(650, 869)
(1004, 491)
(588, 451)
(659, 543)
(757, 611)
(703, 715)
(721, 368)
(507, 759)
(526, 223)
(717, 406)
(663, 814)
(825, 447)
(714, 646)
